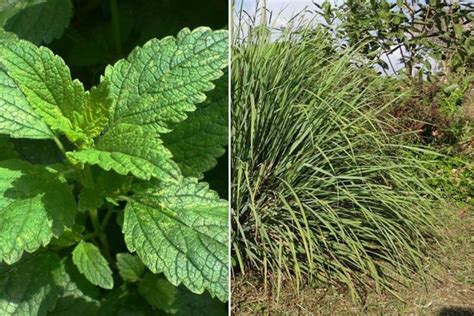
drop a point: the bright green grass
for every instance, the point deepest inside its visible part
(320, 193)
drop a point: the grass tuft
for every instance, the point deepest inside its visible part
(320, 194)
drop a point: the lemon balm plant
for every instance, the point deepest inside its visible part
(127, 155)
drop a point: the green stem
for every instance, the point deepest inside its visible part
(59, 144)
(95, 221)
(106, 219)
(89, 236)
(123, 198)
(116, 27)
(99, 232)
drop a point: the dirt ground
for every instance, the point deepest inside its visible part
(449, 292)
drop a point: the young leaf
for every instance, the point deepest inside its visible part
(35, 205)
(90, 262)
(94, 116)
(181, 230)
(197, 141)
(38, 21)
(28, 287)
(45, 82)
(161, 81)
(130, 267)
(130, 149)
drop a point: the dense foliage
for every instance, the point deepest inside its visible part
(417, 38)
(102, 207)
(321, 193)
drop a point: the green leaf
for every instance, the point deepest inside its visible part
(129, 149)
(458, 30)
(77, 296)
(17, 117)
(106, 185)
(161, 81)
(94, 115)
(35, 205)
(45, 82)
(38, 20)
(197, 141)
(29, 286)
(158, 291)
(130, 267)
(92, 264)
(70, 237)
(181, 230)
(90, 199)
(111, 183)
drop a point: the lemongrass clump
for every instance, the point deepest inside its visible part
(319, 192)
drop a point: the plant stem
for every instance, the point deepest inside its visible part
(95, 221)
(106, 219)
(116, 27)
(99, 232)
(124, 198)
(89, 236)
(59, 144)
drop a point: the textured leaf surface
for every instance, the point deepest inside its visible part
(197, 141)
(161, 81)
(17, 117)
(45, 82)
(92, 264)
(181, 230)
(130, 267)
(94, 113)
(38, 20)
(129, 149)
(27, 287)
(34, 206)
